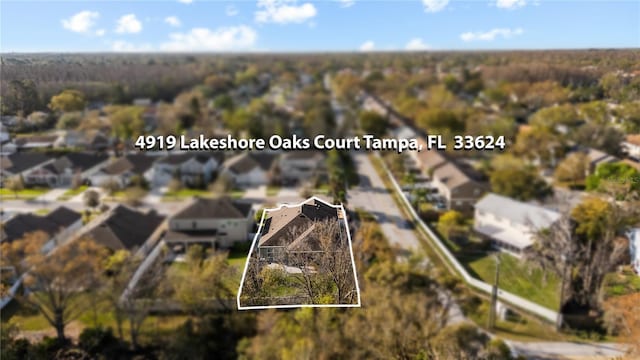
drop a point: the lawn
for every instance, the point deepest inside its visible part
(621, 283)
(519, 328)
(517, 277)
(26, 319)
(24, 194)
(73, 192)
(273, 190)
(186, 193)
(42, 212)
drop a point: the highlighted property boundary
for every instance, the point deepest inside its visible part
(255, 240)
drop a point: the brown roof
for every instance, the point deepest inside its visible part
(285, 226)
(137, 164)
(633, 139)
(451, 176)
(430, 159)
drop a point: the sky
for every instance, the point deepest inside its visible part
(312, 26)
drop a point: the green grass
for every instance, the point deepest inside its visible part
(73, 192)
(516, 277)
(24, 194)
(273, 190)
(26, 319)
(186, 193)
(621, 283)
(43, 211)
(237, 193)
(526, 328)
(518, 328)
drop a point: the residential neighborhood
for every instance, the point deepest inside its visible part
(518, 247)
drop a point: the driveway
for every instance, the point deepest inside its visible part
(51, 195)
(255, 194)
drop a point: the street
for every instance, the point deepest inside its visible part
(371, 196)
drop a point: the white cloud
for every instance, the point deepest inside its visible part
(510, 4)
(222, 39)
(128, 24)
(173, 21)
(434, 5)
(367, 46)
(416, 44)
(346, 3)
(231, 10)
(101, 32)
(284, 11)
(82, 22)
(491, 34)
(125, 46)
(185, 1)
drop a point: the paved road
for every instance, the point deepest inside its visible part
(560, 350)
(371, 196)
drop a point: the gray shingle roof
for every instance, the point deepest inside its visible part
(223, 207)
(126, 228)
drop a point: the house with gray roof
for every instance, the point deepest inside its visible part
(124, 168)
(62, 171)
(124, 228)
(299, 166)
(19, 164)
(59, 225)
(250, 168)
(191, 168)
(509, 224)
(218, 222)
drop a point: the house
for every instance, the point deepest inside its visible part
(191, 168)
(18, 164)
(298, 166)
(459, 189)
(36, 142)
(219, 222)
(59, 225)
(123, 169)
(124, 228)
(288, 229)
(597, 157)
(631, 146)
(509, 224)
(62, 171)
(634, 249)
(250, 168)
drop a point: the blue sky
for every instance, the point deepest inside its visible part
(340, 25)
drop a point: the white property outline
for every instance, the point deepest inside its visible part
(255, 238)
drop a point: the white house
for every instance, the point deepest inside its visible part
(634, 247)
(250, 168)
(190, 168)
(123, 169)
(298, 166)
(219, 222)
(509, 224)
(62, 171)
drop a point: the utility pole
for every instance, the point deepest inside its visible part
(494, 296)
(559, 319)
